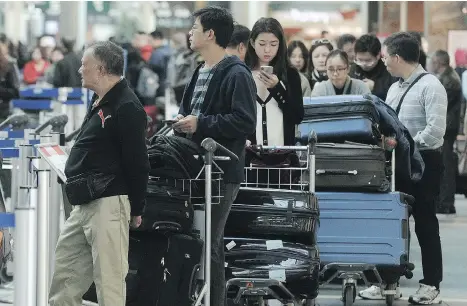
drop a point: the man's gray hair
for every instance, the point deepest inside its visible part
(443, 57)
(110, 55)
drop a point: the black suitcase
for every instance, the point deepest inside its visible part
(351, 167)
(180, 264)
(340, 118)
(167, 208)
(144, 256)
(263, 263)
(271, 214)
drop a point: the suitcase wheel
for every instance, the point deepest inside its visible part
(390, 297)
(350, 292)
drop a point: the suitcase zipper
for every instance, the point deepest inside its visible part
(283, 253)
(339, 114)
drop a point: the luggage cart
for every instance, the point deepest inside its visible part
(256, 291)
(352, 272)
(204, 276)
(200, 291)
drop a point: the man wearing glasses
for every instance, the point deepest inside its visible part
(420, 101)
(369, 67)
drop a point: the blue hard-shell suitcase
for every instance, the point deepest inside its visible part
(366, 228)
(340, 118)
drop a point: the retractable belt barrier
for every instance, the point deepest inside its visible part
(36, 198)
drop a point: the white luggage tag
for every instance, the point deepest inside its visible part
(274, 244)
(278, 275)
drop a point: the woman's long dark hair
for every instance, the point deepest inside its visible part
(281, 61)
(299, 44)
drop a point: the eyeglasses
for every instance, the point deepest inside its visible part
(320, 41)
(338, 70)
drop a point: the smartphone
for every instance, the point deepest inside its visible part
(267, 69)
(169, 122)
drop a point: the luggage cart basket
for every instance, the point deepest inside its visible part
(290, 179)
(351, 273)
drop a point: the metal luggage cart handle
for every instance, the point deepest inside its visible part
(210, 145)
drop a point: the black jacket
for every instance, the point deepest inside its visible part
(66, 71)
(290, 101)
(452, 84)
(112, 141)
(228, 114)
(409, 162)
(9, 89)
(380, 75)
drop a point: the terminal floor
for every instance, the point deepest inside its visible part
(453, 288)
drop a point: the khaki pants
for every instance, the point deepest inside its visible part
(93, 246)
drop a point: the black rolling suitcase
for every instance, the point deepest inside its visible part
(265, 214)
(144, 269)
(167, 208)
(260, 263)
(180, 265)
(340, 118)
(351, 167)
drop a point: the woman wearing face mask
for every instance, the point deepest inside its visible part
(279, 95)
(298, 56)
(339, 83)
(35, 68)
(319, 51)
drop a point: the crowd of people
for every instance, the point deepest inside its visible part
(218, 77)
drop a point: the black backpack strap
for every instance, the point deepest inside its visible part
(398, 109)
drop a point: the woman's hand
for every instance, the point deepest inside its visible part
(268, 79)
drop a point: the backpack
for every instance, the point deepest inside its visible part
(148, 83)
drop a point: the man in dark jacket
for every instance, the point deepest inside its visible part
(369, 67)
(439, 65)
(107, 175)
(66, 71)
(219, 102)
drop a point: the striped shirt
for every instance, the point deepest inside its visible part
(423, 109)
(202, 84)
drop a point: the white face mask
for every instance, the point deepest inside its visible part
(366, 65)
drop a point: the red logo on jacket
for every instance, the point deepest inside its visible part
(103, 118)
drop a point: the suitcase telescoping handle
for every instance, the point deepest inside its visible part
(336, 172)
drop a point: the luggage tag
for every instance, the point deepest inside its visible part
(274, 244)
(230, 245)
(278, 275)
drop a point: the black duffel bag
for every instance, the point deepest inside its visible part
(269, 168)
(167, 209)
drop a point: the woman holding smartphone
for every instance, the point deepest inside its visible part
(279, 98)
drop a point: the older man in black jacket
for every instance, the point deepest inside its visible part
(107, 175)
(439, 65)
(219, 102)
